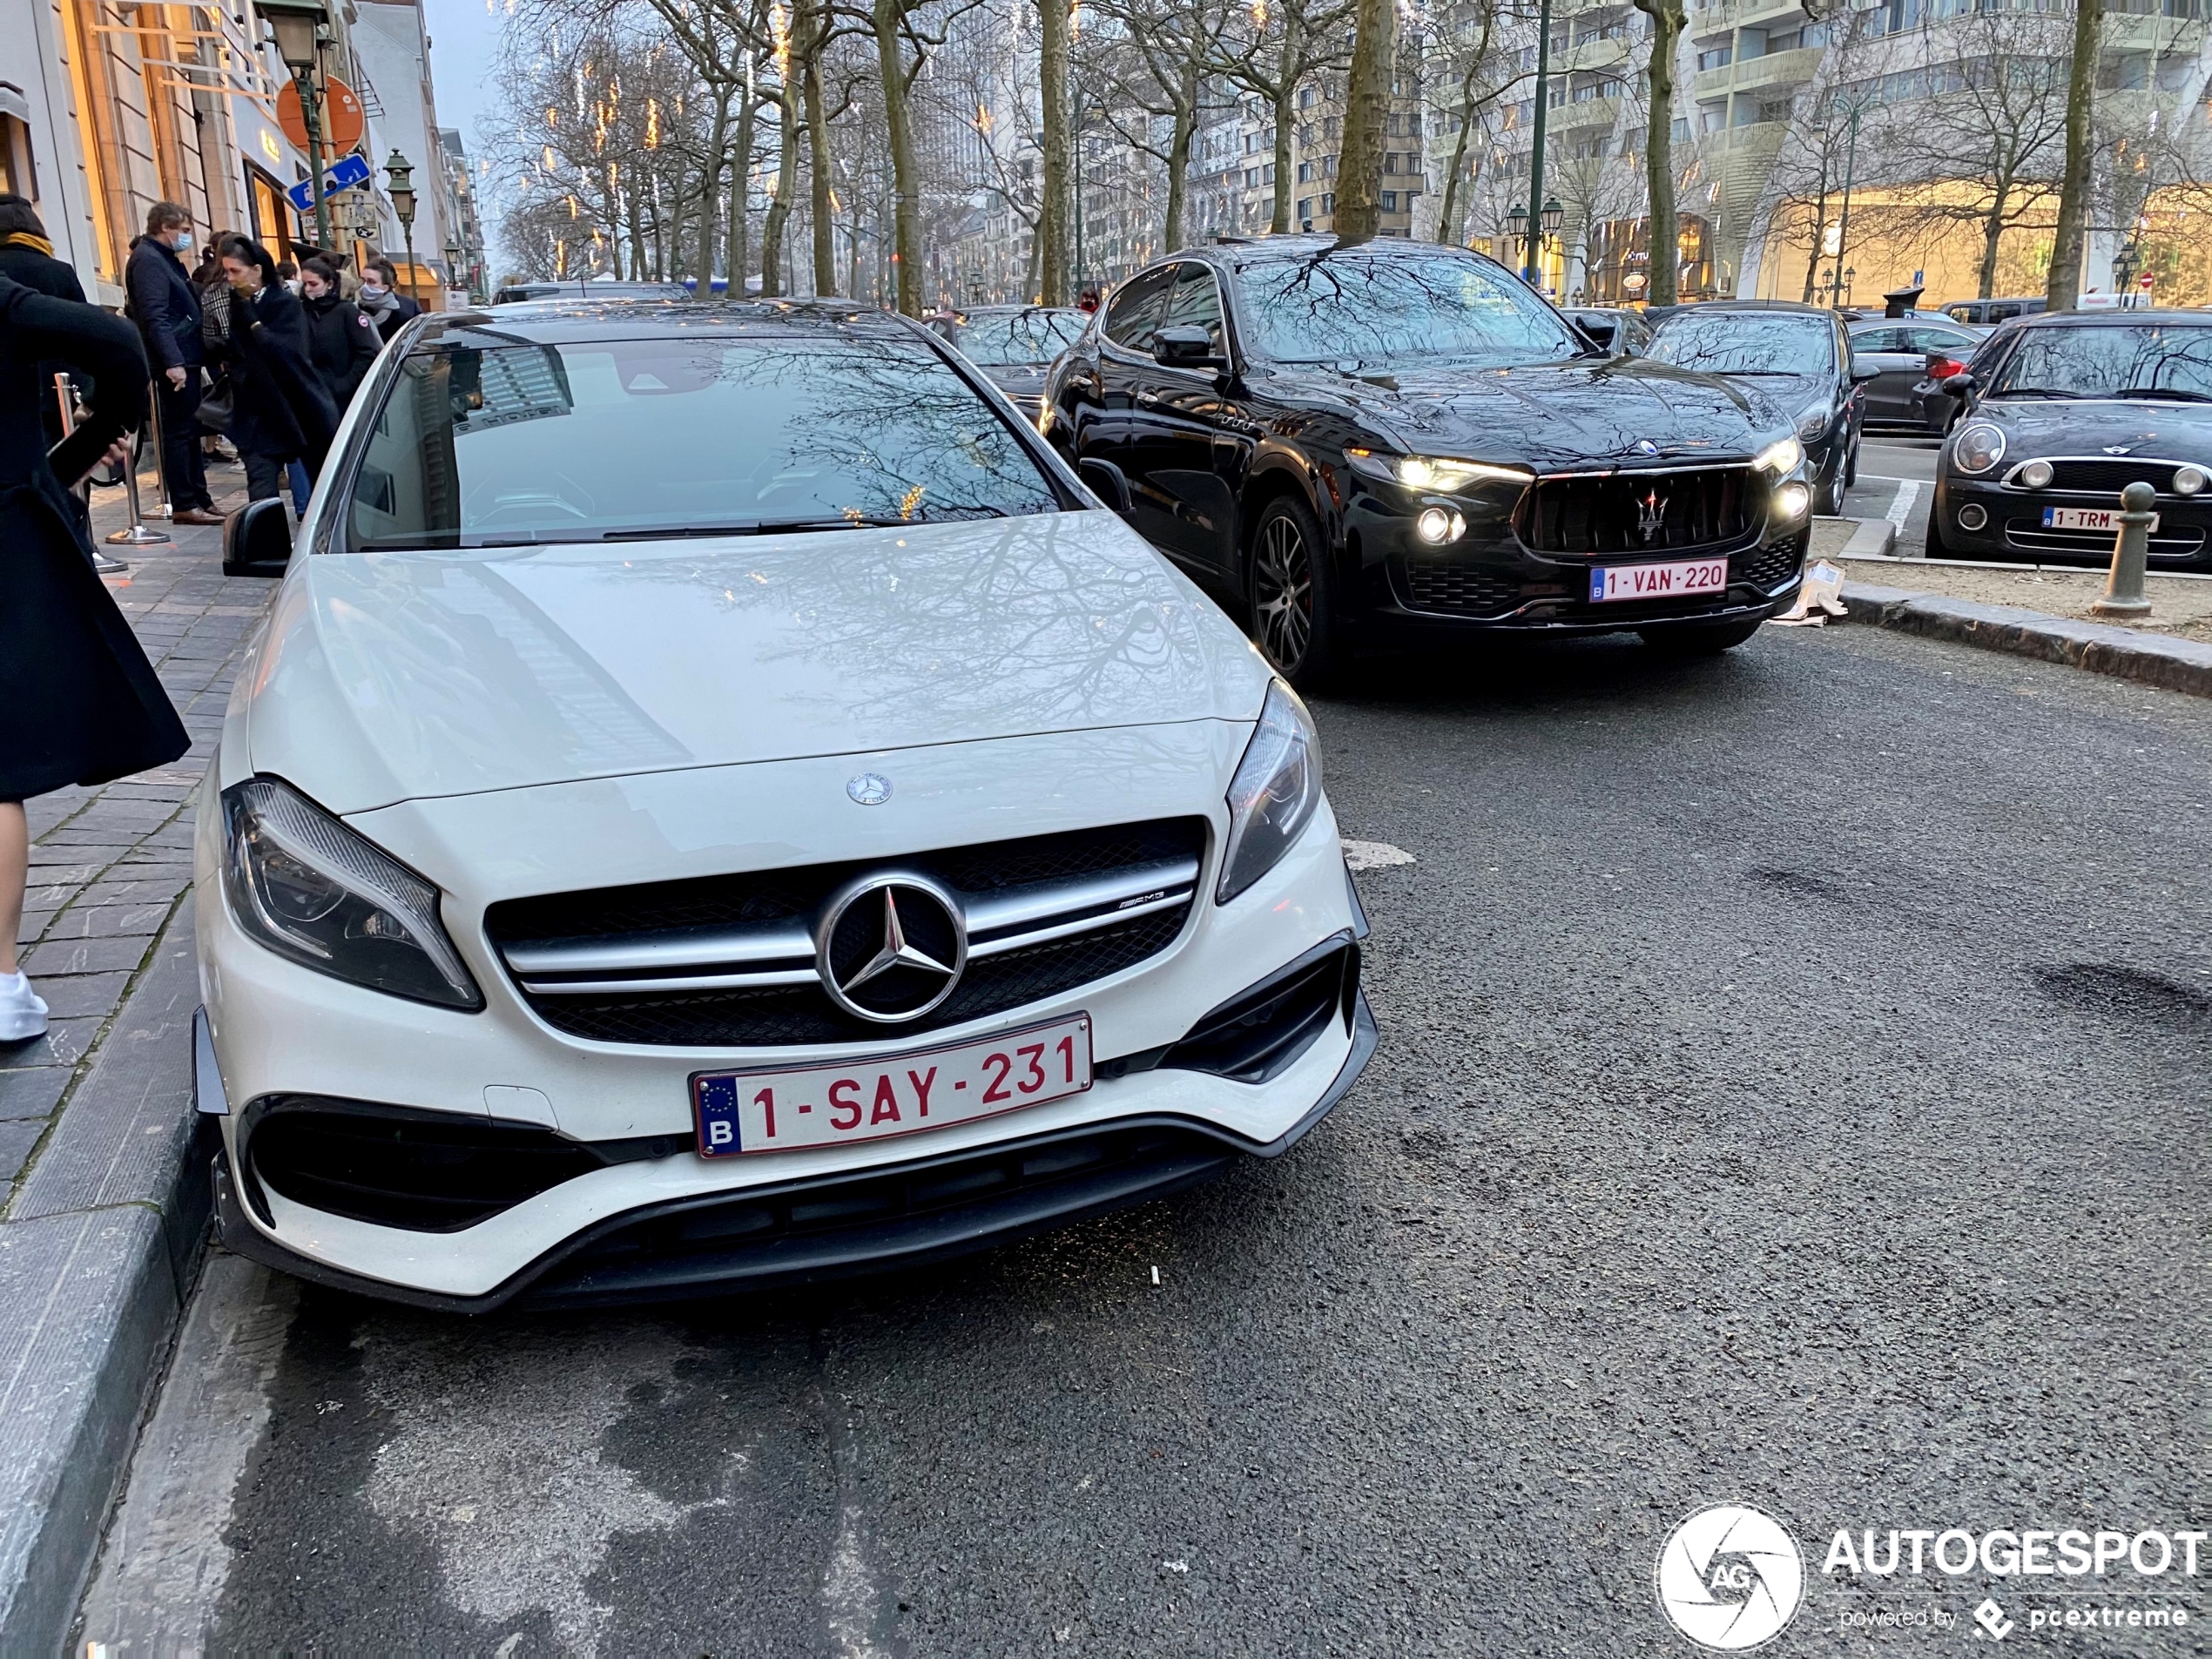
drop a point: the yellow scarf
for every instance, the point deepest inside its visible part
(24, 238)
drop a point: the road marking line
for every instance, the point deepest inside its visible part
(1908, 491)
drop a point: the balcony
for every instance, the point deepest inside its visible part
(1591, 112)
(1778, 68)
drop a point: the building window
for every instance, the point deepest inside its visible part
(1390, 201)
(1390, 161)
(1306, 208)
(1719, 57)
(1329, 202)
(1305, 173)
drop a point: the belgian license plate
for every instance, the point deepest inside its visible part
(1669, 581)
(773, 1111)
(2086, 518)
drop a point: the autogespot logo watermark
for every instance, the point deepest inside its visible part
(1729, 1578)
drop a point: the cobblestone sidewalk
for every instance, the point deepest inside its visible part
(110, 866)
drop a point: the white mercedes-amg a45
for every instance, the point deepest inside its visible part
(716, 802)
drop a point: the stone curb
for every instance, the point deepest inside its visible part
(2173, 664)
(97, 1255)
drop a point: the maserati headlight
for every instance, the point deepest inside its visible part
(310, 889)
(1436, 472)
(1273, 797)
(1814, 421)
(1778, 458)
(1978, 448)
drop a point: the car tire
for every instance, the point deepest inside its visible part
(1850, 465)
(1700, 639)
(1290, 597)
(1936, 549)
(1831, 495)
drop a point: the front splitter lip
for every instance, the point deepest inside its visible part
(239, 1234)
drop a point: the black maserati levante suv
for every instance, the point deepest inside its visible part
(1354, 443)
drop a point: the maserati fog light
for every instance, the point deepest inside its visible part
(1792, 500)
(1972, 517)
(2036, 475)
(1440, 524)
(2189, 479)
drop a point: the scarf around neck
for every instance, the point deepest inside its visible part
(24, 238)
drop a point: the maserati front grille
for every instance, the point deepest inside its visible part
(731, 961)
(1640, 513)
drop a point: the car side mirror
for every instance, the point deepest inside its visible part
(1108, 482)
(257, 539)
(1606, 336)
(1958, 385)
(1863, 371)
(1186, 348)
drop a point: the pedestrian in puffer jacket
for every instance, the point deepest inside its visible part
(341, 342)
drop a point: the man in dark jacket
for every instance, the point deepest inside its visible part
(166, 309)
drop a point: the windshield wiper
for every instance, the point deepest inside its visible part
(443, 542)
(795, 526)
(2166, 391)
(2034, 391)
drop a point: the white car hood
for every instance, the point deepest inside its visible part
(395, 676)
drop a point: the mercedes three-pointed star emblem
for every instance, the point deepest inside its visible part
(901, 935)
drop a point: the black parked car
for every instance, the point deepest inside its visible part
(1014, 344)
(2072, 409)
(1800, 359)
(1616, 328)
(1937, 409)
(1353, 443)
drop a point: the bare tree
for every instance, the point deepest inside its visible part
(2065, 284)
(1279, 47)
(1366, 112)
(1059, 149)
(1667, 20)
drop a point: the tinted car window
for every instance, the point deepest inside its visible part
(1878, 339)
(1133, 313)
(581, 442)
(1019, 337)
(1195, 303)
(1322, 309)
(1746, 342)
(2096, 360)
(1948, 341)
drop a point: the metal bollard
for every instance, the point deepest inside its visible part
(140, 534)
(2124, 594)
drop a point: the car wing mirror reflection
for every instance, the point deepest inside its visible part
(257, 539)
(1107, 482)
(1186, 348)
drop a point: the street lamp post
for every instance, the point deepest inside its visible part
(400, 176)
(1843, 226)
(453, 265)
(299, 28)
(1536, 148)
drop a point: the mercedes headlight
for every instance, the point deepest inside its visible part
(310, 889)
(1814, 421)
(1978, 448)
(1440, 473)
(1778, 458)
(1272, 798)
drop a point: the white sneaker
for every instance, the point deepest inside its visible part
(23, 1013)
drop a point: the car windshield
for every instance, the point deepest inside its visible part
(1746, 342)
(1019, 337)
(1326, 309)
(611, 439)
(2091, 359)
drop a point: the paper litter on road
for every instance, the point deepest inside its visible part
(1374, 855)
(1821, 598)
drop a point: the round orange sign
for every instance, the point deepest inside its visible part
(341, 116)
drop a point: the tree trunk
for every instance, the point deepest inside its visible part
(1278, 220)
(1186, 123)
(1819, 232)
(740, 252)
(1992, 233)
(1365, 114)
(905, 217)
(2065, 285)
(817, 152)
(710, 191)
(1447, 220)
(1667, 21)
(1052, 91)
(772, 231)
(1029, 290)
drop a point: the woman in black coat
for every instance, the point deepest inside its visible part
(341, 342)
(279, 411)
(79, 704)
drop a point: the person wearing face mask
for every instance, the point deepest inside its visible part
(279, 410)
(381, 300)
(166, 309)
(341, 342)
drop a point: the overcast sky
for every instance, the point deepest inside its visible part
(464, 57)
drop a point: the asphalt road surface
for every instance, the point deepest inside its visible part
(1792, 1092)
(1896, 481)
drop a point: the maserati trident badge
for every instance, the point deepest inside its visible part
(1651, 515)
(891, 947)
(870, 789)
